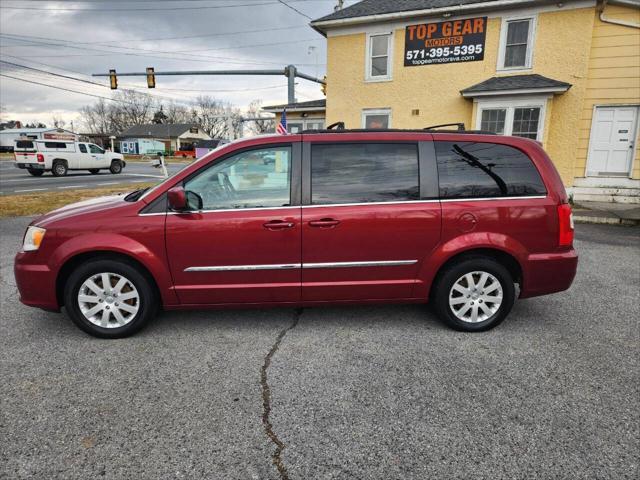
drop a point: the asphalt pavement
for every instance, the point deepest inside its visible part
(375, 392)
(14, 181)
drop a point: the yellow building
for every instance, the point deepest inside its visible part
(564, 73)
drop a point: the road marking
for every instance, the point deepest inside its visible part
(109, 183)
(30, 190)
(143, 175)
(74, 186)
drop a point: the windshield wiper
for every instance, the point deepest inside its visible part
(135, 195)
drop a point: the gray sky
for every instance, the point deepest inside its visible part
(77, 38)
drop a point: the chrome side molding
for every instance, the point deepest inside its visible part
(289, 266)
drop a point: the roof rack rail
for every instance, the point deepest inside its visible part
(336, 126)
(460, 125)
(391, 130)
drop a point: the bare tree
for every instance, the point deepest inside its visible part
(219, 119)
(58, 122)
(258, 127)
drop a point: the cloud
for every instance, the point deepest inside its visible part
(96, 40)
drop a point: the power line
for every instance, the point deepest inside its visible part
(294, 9)
(181, 8)
(130, 86)
(109, 42)
(102, 52)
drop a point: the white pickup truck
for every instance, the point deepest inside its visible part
(60, 156)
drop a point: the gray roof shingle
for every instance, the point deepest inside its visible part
(379, 7)
(516, 82)
(320, 104)
(160, 130)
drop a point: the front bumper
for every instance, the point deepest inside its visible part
(36, 282)
(546, 273)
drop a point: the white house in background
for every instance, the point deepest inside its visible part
(174, 136)
(9, 135)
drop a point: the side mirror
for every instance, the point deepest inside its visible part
(177, 199)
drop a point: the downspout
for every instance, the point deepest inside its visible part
(613, 21)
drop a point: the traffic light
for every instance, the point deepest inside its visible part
(113, 80)
(324, 86)
(151, 78)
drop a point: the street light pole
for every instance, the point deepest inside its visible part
(290, 71)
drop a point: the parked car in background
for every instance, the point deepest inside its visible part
(185, 153)
(60, 156)
(457, 219)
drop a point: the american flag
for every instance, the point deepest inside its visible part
(281, 129)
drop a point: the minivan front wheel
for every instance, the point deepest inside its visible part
(109, 298)
(475, 294)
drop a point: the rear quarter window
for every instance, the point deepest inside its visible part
(479, 170)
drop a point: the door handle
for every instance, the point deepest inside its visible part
(324, 223)
(277, 225)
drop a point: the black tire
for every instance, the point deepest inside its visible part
(59, 168)
(451, 274)
(147, 307)
(94, 171)
(35, 173)
(116, 167)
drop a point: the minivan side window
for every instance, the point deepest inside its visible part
(82, 147)
(250, 179)
(364, 173)
(480, 170)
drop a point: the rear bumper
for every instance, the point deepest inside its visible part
(33, 166)
(36, 283)
(546, 273)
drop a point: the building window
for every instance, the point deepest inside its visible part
(298, 126)
(379, 56)
(493, 120)
(516, 44)
(376, 118)
(519, 118)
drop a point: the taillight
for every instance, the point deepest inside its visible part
(40, 158)
(565, 225)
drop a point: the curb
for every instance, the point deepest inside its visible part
(588, 219)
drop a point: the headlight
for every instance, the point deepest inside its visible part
(33, 238)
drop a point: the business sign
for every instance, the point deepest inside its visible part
(59, 136)
(445, 42)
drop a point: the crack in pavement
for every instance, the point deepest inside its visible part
(266, 400)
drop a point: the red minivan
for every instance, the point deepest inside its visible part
(467, 221)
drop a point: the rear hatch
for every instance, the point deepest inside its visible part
(25, 151)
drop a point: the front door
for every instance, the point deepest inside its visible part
(241, 244)
(98, 158)
(366, 230)
(612, 145)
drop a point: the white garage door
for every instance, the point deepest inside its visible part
(612, 144)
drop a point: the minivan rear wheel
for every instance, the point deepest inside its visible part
(109, 298)
(474, 294)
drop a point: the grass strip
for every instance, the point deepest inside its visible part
(43, 202)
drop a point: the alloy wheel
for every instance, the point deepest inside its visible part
(108, 300)
(475, 297)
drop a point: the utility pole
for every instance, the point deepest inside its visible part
(290, 71)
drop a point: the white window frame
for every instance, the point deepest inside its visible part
(531, 38)
(367, 74)
(510, 105)
(375, 111)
